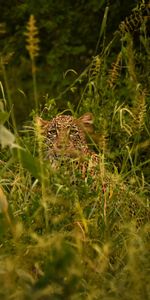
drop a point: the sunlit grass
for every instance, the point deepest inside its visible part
(92, 245)
(69, 239)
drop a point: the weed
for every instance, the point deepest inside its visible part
(62, 239)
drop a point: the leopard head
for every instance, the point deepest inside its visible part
(65, 136)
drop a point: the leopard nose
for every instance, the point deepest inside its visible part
(60, 146)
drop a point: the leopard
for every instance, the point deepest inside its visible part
(65, 144)
(65, 136)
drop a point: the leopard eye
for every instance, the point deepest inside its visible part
(74, 131)
(74, 134)
(52, 133)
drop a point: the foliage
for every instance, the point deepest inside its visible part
(59, 239)
(69, 32)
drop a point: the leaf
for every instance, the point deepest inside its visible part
(22, 92)
(3, 94)
(73, 89)
(3, 201)
(70, 70)
(1, 105)
(3, 116)
(28, 162)
(6, 137)
(104, 22)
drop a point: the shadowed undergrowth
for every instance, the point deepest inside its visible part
(61, 237)
(65, 241)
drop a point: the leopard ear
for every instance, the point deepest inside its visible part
(87, 118)
(86, 122)
(40, 122)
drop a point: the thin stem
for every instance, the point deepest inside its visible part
(34, 84)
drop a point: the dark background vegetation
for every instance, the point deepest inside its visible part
(62, 236)
(73, 38)
(69, 34)
(77, 66)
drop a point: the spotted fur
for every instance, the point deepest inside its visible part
(65, 136)
(65, 144)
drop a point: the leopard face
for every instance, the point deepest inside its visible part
(65, 137)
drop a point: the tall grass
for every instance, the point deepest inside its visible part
(60, 240)
(33, 50)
